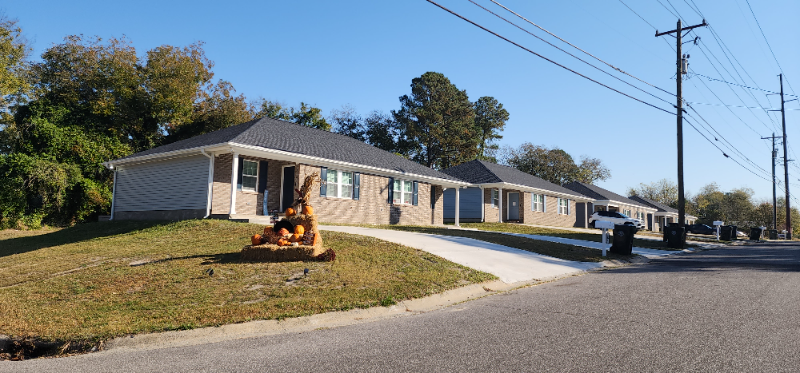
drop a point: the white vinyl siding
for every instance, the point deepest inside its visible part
(538, 202)
(340, 184)
(563, 206)
(249, 175)
(173, 184)
(403, 192)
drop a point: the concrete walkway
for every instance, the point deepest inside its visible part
(647, 253)
(509, 264)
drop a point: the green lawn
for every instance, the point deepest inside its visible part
(554, 249)
(79, 284)
(555, 232)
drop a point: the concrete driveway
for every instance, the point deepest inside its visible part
(509, 264)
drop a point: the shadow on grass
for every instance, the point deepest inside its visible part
(78, 233)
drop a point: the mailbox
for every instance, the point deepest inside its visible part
(603, 224)
(718, 222)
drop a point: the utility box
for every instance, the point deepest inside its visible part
(623, 239)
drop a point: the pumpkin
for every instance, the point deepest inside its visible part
(308, 210)
(256, 240)
(283, 242)
(299, 229)
(283, 232)
(290, 212)
(296, 238)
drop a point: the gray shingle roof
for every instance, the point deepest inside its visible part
(482, 172)
(599, 193)
(657, 205)
(294, 138)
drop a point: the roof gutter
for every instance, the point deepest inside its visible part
(537, 190)
(210, 181)
(607, 201)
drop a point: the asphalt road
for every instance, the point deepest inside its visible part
(732, 309)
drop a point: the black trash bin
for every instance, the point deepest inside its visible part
(623, 239)
(725, 233)
(773, 234)
(734, 235)
(676, 236)
(755, 234)
(665, 236)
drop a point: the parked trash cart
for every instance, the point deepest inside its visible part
(623, 239)
(773, 234)
(676, 237)
(755, 234)
(734, 233)
(725, 232)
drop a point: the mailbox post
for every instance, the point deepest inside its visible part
(604, 226)
(718, 224)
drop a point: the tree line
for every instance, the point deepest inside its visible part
(90, 100)
(735, 207)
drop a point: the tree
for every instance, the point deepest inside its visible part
(439, 122)
(347, 122)
(490, 119)
(662, 191)
(554, 165)
(304, 115)
(219, 109)
(14, 85)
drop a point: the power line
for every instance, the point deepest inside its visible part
(645, 21)
(545, 58)
(570, 44)
(729, 109)
(767, 41)
(739, 106)
(739, 85)
(574, 56)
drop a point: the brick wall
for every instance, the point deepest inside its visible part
(373, 206)
(490, 213)
(247, 203)
(550, 217)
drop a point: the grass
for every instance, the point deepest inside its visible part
(79, 284)
(554, 249)
(555, 232)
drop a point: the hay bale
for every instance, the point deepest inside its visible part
(275, 253)
(310, 224)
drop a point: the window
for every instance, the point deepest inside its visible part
(249, 175)
(538, 202)
(563, 206)
(403, 192)
(495, 198)
(626, 212)
(640, 215)
(340, 184)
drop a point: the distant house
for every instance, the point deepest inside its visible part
(664, 214)
(606, 200)
(501, 193)
(254, 168)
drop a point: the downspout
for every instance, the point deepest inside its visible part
(113, 194)
(210, 181)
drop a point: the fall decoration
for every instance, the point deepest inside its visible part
(308, 210)
(290, 212)
(256, 239)
(298, 229)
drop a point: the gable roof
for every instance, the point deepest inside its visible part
(658, 205)
(288, 137)
(601, 194)
(483, 172)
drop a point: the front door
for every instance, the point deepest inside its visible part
(513, 206)
(287, 188)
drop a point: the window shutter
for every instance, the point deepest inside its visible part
(544, 203)
(391, 190)
(323, 185)
(356, 185)
(262, 176)
(415, 197)
(239, 181)
(433, 196)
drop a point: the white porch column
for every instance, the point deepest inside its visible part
(234, 180)
(458, 203)
(500, 205)
(113, 194)
(483, 205)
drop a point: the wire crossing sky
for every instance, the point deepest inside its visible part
(364, 54)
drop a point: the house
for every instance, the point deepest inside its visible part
(502, 193)
(664, 214)
(254, 168)
(606, 200)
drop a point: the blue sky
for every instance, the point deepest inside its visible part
(365, 53)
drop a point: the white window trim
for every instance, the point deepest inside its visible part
(495, 201)
(533, 202)
(401, 192)
(255, 189)
(567, 206)
(339, 184)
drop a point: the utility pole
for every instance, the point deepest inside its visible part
(774, 196)
(679, 77)
(786, 166)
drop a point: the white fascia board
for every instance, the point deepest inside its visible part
(525, 188)
(607, 202)
(166, 155)
(281, 155)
